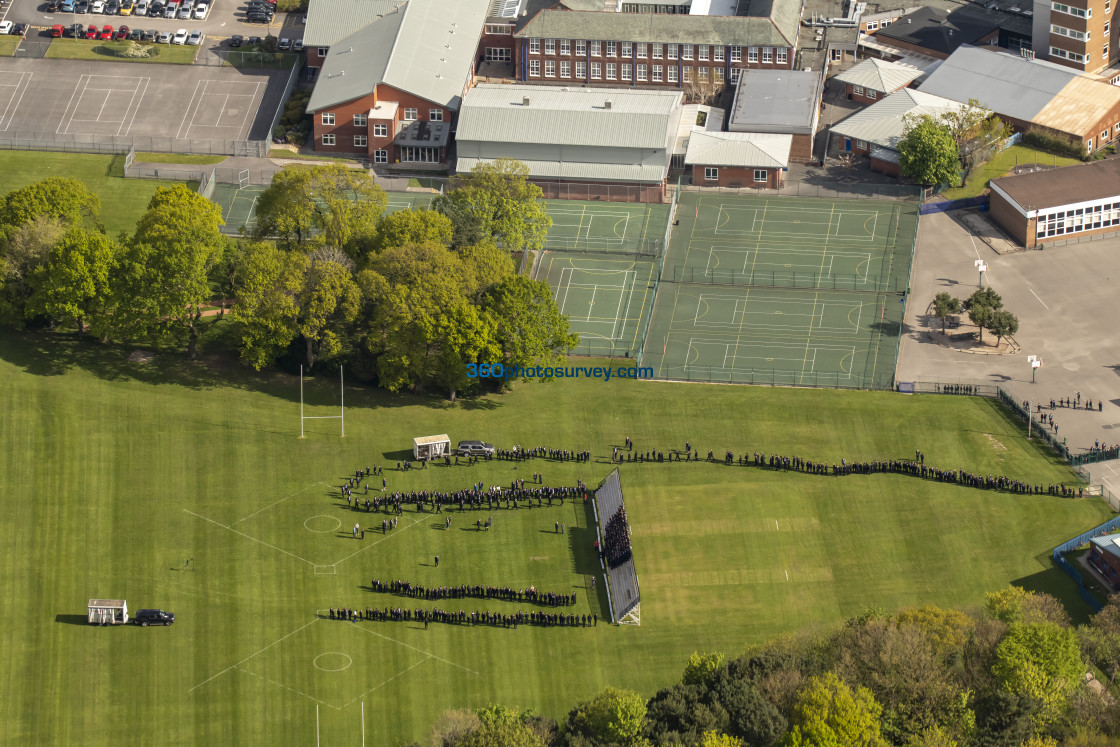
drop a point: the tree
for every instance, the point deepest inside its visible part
(286, 209)
(62, 198)
(163, 283)
(1015, 604)
(946, 630)
(927, 153)
(715, 739)
(976, 132)
(268, 304)
(413, 227)
(496, 202)
(985, 297)
(981, 316)
(944, 306)
(328, 304)
(701, 667)
(613, 716)
(23, 253)
(749, 714)
(682, 713)
(1041, 661)
(1003, 324)
(73, 285)
(828, 713)
(530, 328)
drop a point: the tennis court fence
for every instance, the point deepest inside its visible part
(239, 177)
(206, 185)
(669, 223)
(827, 189)
(644, 248)
(776, 279)
(559, 190)
(112, 144)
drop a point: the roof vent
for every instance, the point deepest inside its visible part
(525, 101)
(607, 104)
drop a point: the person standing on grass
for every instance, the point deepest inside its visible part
(437, 561)
(355, 531)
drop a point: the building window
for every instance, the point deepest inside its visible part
(671, 51)
(760, 176)
(499, 29)
(672, 70)
(565, 47)
(381, 156)
(872, 94)
(1106, 25)
(627, 71)
(656, 73)
(861, 145)
(596, 70)
(686, 74)
(411, 114)
(550, 68)
(323, 51)
(612, 49)
(656, 53)
(627, 49)
(782, 56)
(534, 46)
(641, 72)
(1104, 53)
(328, 118)
(550, 46)
(328, 139)
(1071, 11)
(702, 73)
(381, 130)
(718, 74)
(752, 54)
(596, 49)
(565, 69)
(1071, 33)
(498, 54)
(419, 154)
(360, 120)
(581, 70)
(717, 54)
(535, 68)
(686, 51)
(360, 141)
(1066, 54)
(1107, 6)
(641, 51)
(581, 49)
(702, 52)
(735, 72)
(857, 90)
(768, 55)
(711, 173)
(612, 70)
(872, 26)
(1088, 145)
(837, 55)
(435, 115)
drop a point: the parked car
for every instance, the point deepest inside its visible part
(474, 448)
(253, 41)
(184, 12)
(19, 29)
(122, 32)
(112, 8)
(82, 6)
(236, 40)
(284, 44)
(127, 7)
(78, 31)
(91, 32)
(97, 7)
(106, 33)
(144, 618)
(200, 11)
(258, 18)
(297, 45)
(67, 6)
(150, 35)
(155, 9)
(164, 37)
(141, 8)
(137, 35)
(180, 37)
(52, 6)
(171, 10)
(57, 31)
(196, 38)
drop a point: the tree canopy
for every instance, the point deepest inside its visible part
(928, 154)
(496, 202)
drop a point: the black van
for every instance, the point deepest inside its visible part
(144, 618)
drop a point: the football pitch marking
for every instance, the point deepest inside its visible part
(246, 536)
(429, 654)
(730, 217)
(315, 662)
(290, 495)
(629, 282)
(337, 523)
(250, 656)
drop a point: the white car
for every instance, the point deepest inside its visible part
(196, 38)
(284, 44)
(165, 37)
(185, 12)
(97, 7)
(200, 11)
(297, 46)
(180, 37)
(5, 27)
(141, 8)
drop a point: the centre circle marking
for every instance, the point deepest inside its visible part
(334, 657)
(307, 524)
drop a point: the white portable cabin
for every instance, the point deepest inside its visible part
(108, 612)
(431, 447)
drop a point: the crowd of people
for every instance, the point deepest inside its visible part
(520, 453)
(477, 497)
(616, 539)
(463, 591)
(462, 617)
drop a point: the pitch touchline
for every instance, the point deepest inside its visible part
(278, 502)
(378, 542)
(286, 687)
(420, 650)
(386, 682)
(246, 536)
(266, 648)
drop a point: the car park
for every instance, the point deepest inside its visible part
(171, 10)
(141, 8)
(144, 618)
(259, 8)
(164, 37)
(56, 31)
(475, 448)
(259, 13)
(196, 38)
(185, 12)
(200, 11)
(78, 31)
(253, 41)
(236, 40)
(67, 6)
(155, 9)
(127, 6)
(180, 37)
(258, 18)
(112, 8)
(52, 6)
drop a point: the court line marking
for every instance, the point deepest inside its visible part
(591, 306)
(142, 90)
(13, 102)
(64, 123)
(249, 119)
(193, 104)
(1039, 299)
(250, 656)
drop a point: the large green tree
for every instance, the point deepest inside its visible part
(413, 227)
(944, 306)
(163, 281)
(496, 202)
(73, 285)
(1003, 324)
(982, 306)
(612, 717)
(829, 713)
(268, 302)
(328, 305)
(530, 328)
(1041, 661)
(62, 198)
(23, 252)
(927, 153)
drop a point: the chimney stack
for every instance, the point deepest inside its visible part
(607, 105)
(525, 101)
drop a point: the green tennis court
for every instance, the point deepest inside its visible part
(408, 201)
(239, 206)
(605, 298)
(635, 229)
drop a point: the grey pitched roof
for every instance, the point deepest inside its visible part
(578, 116)
(944, 31)
(424, 47)
(331, 20)
(599, 172)
(1035, 91)
(776, 30)
(882, 123)
(739, 149)
(880, 75)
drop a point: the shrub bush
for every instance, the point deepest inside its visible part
(1063, 146)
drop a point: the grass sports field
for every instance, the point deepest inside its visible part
(115, 475)
(123, 201)
(783, 291)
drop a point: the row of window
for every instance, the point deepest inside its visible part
(1081, 219)
(641, 73)
(1066, 54)
(711, 174)
(870, 93)
(408, 154)
(876, 25)
(641, 51)
(1071, 33)
(380, 130)
(1071, 11)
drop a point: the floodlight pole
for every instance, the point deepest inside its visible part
(301, 400)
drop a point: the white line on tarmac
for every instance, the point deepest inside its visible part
(1039, 299)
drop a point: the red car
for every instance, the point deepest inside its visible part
(91, 32)
(56, 31)
(106, 33)
(122, 32)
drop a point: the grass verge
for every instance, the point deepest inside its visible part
(1003, 162)
(82, 49)
(179, 158)
(8, 45)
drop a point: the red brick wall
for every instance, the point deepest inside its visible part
(314, 59)
(736, 176)
(344, 128)
(801, 149)
(862, 98)
(884, 167)
(1009, 219)
(500, 41)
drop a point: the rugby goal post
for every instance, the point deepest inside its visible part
(341, 417)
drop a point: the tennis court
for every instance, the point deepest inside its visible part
(408, 201)
(239, 206)
(627, 228)
(783, 290)
(606, 298)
